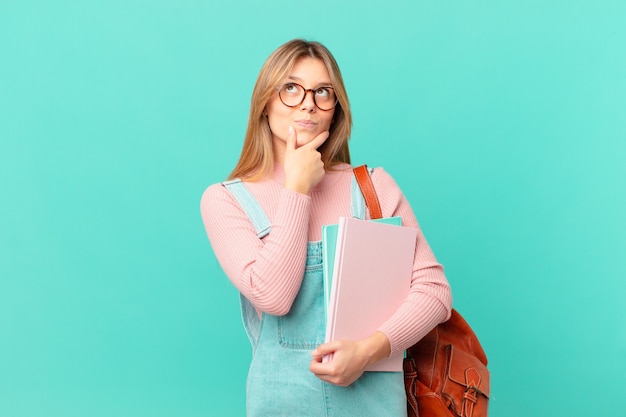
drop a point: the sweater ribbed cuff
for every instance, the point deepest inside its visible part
(294, 207)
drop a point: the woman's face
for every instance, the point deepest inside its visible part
(306, 118)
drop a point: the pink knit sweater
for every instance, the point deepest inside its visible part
(269, 271)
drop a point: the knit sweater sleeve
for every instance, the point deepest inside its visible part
(268, 272)
(429, 301)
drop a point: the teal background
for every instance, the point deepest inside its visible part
(503, 122)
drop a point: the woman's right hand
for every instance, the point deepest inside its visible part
(303, 165)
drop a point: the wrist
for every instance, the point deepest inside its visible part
(297, 187)
(377, 347)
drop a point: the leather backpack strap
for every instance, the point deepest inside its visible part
(366, 185)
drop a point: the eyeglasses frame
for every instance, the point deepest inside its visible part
(306, 91)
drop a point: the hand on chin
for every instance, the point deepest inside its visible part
(304, 137)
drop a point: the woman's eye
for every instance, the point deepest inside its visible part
(290, 88)
(322, 92)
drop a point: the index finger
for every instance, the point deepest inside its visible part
(291, 138)
(326, 348)
(318, 140)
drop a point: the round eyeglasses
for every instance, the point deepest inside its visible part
(292, 95)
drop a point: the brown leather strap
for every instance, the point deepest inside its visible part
(364, 180)
(410, 386)
(470, 397)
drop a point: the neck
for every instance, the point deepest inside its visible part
(279, 151)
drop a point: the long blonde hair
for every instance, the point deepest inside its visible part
(257, 157)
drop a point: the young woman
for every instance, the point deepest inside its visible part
(264, 224)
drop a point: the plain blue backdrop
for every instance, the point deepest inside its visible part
(503, 122)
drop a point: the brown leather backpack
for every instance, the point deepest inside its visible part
(445, 373)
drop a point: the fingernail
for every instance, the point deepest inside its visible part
(291, 131)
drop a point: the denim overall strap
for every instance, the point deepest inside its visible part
(248, 203)
(357, 202)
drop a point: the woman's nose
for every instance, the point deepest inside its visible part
(308, 103)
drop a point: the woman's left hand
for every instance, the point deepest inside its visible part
(349, 358)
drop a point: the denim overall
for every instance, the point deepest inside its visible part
(279, 380)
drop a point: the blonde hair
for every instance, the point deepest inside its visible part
(257, 157)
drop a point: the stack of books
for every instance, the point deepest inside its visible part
(367, 276)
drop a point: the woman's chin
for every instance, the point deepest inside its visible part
(305, 137)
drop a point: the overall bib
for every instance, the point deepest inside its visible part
(279, 381)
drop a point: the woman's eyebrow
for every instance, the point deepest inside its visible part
(322, 84)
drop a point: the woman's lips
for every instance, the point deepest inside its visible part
(306, 124)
